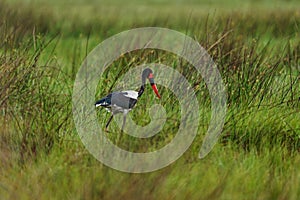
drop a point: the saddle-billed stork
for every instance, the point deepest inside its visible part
(124, 101)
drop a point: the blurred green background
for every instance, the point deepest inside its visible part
(256, 46)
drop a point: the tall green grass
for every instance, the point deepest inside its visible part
(41, 49)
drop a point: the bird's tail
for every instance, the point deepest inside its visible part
(106, 101)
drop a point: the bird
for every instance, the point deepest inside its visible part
(124, 101)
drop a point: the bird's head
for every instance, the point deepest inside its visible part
(148, 74)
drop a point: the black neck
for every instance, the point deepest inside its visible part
(141, 90)
(145, 74)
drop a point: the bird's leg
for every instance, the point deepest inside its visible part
(124, 121)
(106, 129)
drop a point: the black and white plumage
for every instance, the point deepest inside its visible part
(124, 101)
